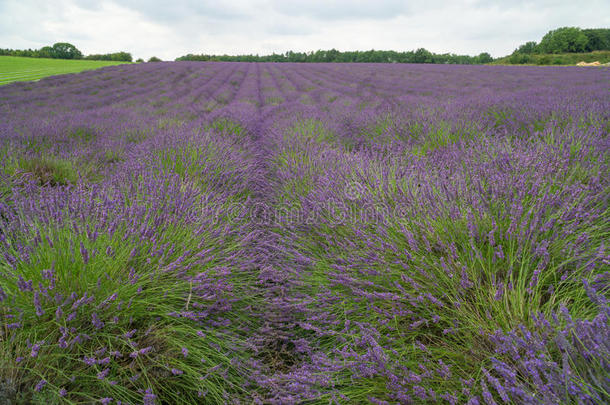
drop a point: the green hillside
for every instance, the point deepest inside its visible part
(14, 68)
(553, 58)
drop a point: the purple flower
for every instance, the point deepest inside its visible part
(84, 253)
(36, 348)
(40, 385)
(129, 335)
(103, 374)
(96, 321)
(149, 397)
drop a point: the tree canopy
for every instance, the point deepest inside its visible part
(117, 56)
(65, 50)
(564, 40)
(568, 40)
(420, 55)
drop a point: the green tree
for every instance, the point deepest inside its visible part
(65, 50)
(484, 57)
(45, 52)
(528, 48)
(154, 59)
(520, 59)
(422, 56)
(121, 56)
(598, 39)
(564, 40)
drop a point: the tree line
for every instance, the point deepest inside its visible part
(564, 40)
(420, 55)
(568, 40)
(65, 50)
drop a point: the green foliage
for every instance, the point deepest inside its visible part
(203, 166)
(484, 57)
(554, 59)
(420, 55)
(565, 39)
(520, 59)
(46, 52)
(310, 128)
(154, 59)
(65, 50)
(528, 48)
(50, 171)
(152, 296)
(229, 127)
(117, 56)
(598, 39)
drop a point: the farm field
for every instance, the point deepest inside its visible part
(188, 232)
(14, 68)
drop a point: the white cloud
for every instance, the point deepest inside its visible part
(170, 29)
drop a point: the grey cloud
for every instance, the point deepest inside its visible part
(177, 11)
(171, 28)
(282, 28)
(341, 9)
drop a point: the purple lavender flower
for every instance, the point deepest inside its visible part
(103, 374)
(149, 398)
(96, 321)
(40, 385)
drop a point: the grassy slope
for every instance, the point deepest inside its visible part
(555, 59)
(14, 68)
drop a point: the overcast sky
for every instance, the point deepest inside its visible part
(171, 28)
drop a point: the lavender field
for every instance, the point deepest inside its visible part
(234, 233)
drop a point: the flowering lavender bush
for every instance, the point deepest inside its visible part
(235, 233)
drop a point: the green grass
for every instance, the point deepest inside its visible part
(15, 68)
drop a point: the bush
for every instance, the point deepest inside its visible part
(520, 59)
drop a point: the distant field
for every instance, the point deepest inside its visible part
(14, 68)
